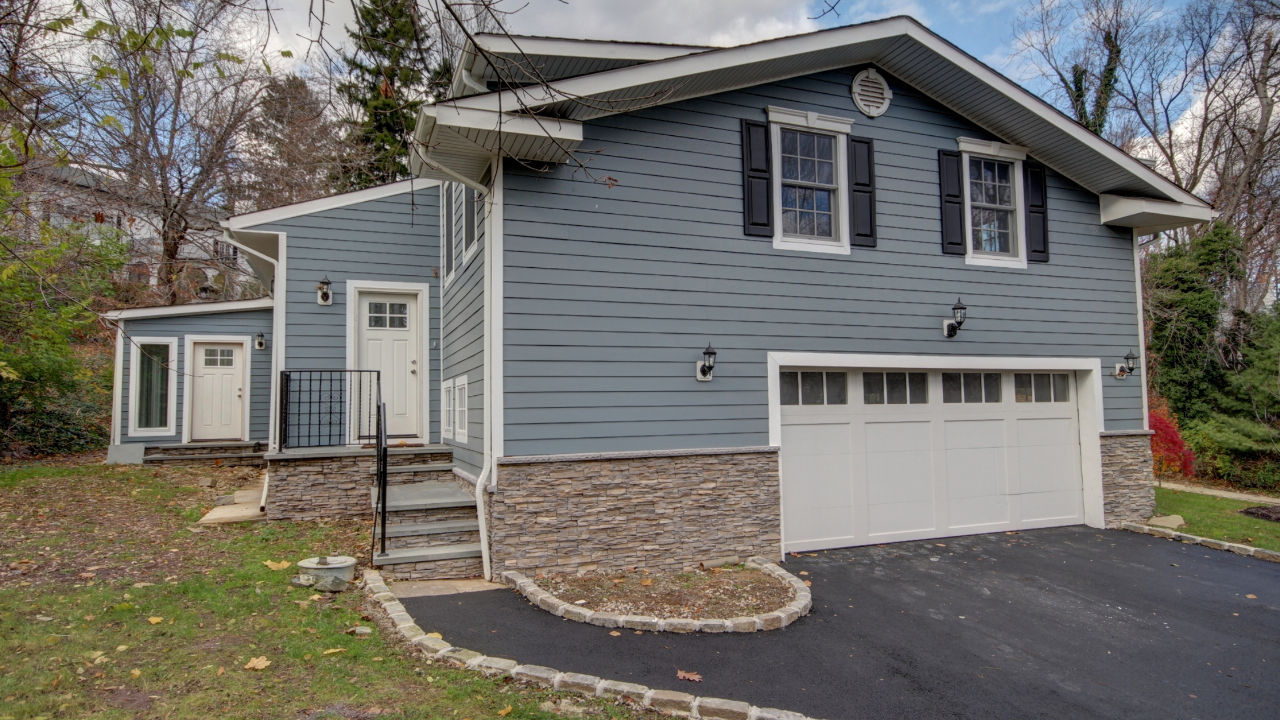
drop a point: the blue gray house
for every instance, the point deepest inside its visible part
(671, 303)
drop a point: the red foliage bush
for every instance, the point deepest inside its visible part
(1170, 453)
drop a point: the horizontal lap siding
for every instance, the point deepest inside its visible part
(612, 292)
(463, 340)
(249, 323)
(392, 239)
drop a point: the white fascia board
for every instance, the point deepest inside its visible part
(452, 115)
(192, 309)
(1147, 216)
(665, 71)
(263, 217)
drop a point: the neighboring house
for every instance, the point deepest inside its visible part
(812, 207)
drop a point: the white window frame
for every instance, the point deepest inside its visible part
(812, 122)
(469, 252)
(446, 409)
(135, 353)
(991, 150)
(460, 415)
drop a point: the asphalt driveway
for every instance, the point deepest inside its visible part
(1059, 623)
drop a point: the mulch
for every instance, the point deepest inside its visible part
(1264, 512)
(719, 593)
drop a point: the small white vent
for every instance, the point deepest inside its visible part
(871, 93)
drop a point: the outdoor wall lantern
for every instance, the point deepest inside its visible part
(706, 364)
(323, 294)
(1126, 368)
(952, 326)
(260, 342)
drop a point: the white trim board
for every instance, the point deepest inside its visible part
(246, 377)
(191, 309)
(423, 293)
(117, 385)
(1088, 373)
(135, 347)
(285, 212)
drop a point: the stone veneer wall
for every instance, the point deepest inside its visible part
(1128, 484)
(657, 510)
(324, 488)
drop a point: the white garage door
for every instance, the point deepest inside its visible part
(875, 456)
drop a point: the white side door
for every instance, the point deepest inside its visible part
(390, 342)
(218, 392)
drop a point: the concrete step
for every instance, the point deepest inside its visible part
(427, 554)
(428, 528)
(423, 496)
(215, 456)
(436, 467)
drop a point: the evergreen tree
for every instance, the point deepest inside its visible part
(393, 69)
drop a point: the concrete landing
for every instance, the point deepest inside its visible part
(244, 509)
(430, 588)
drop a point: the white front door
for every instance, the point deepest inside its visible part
(389, 341)
(218, 397)
(874, 456)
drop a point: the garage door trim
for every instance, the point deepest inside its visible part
(1088, 375)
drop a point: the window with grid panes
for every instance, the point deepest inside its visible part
(814, 388)
(809, 184)
(992, 206)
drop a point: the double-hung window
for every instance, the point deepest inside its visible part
(810, 180)
(993, 196)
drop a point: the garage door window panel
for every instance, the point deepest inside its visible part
(1042, 387)
(813, 387)
(895, 388)
(971, 387)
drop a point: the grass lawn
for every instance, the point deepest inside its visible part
(114, 605)
(1218, 518)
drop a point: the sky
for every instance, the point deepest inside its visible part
(983, 28)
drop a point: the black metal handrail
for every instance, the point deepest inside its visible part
(380, 510)
(325, 408)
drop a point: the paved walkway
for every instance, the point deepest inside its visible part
(1230, 494)
(1067, 622)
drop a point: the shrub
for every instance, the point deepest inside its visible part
(1229, 447)
(1170, 454)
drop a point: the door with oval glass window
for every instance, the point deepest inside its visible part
(390, 341)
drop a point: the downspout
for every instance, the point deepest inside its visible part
(482, 484)
(277, 359)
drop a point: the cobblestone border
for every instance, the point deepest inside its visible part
(664, 701)
(1245, 550)
(780, 618)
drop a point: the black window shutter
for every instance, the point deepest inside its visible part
(951, 190)
(1037, 210)
(757, 191)
(862, 192)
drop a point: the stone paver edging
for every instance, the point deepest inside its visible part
(1246, 550)
(666, 701)
(779, 618)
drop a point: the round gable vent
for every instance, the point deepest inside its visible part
(871, 93)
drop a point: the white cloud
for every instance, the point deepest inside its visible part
(692, 22)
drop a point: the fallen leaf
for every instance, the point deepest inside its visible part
(221, 671)
(646, 582)
(332, 651)
(505, 711)
(258, 663)
(808, 582)
(121, 648)
(690, 676)
(135, 673)
(1252, 597)
(86, 575)
(302, 604)
(155, 620)
(307, 656)
(804, 572)
(277, 565)
(615, 633)
(318, 596)
(377, 659)
(437, 636)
